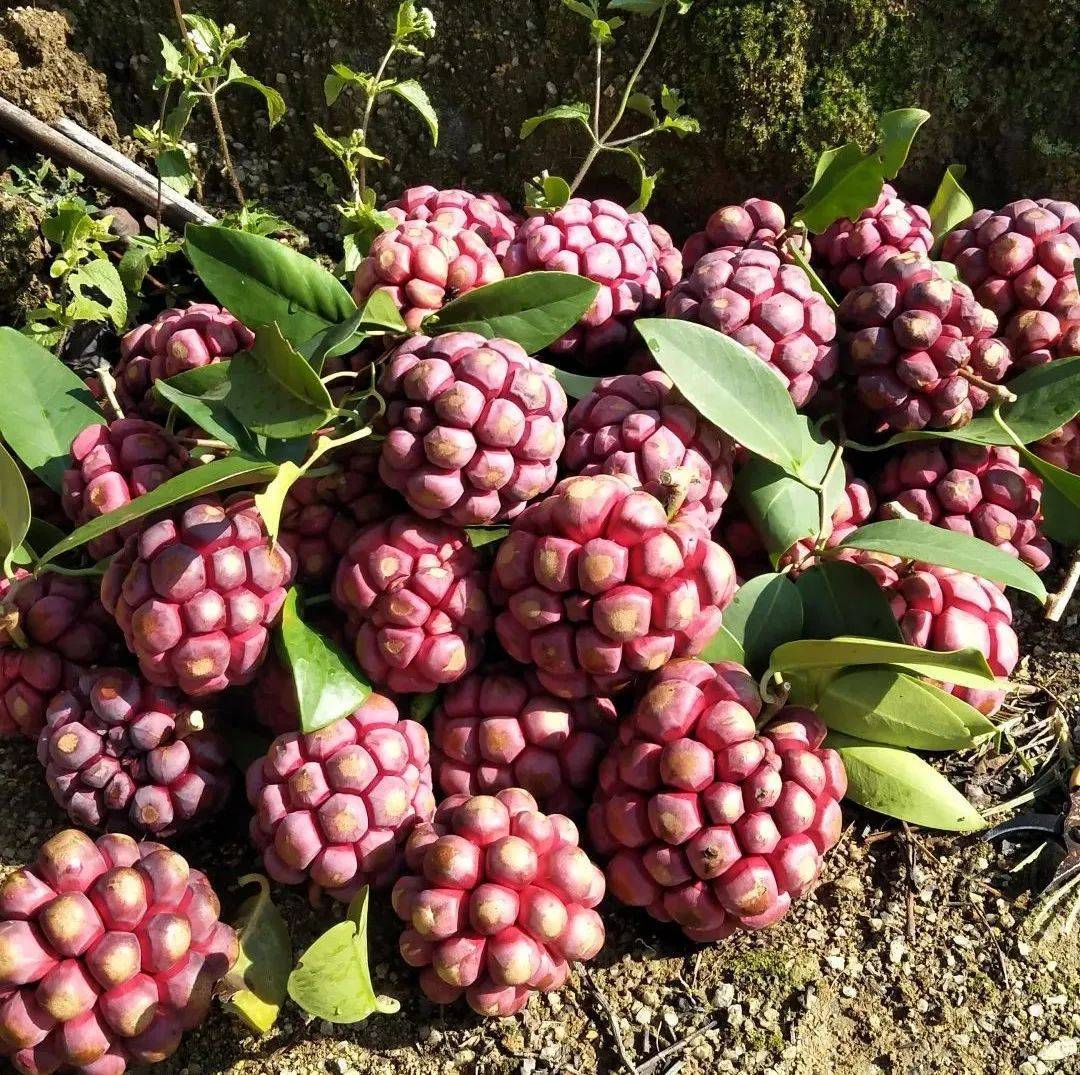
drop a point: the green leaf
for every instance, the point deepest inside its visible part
(723, 646)
(43, 407)
(479, 536)
(898, 130)
(256, 986)
(885, 706)
(275, 103)
(332, 980)
(637, 7)
(577, 113)
(175, 171)
(274, 391)
(261, 281)
(794, 251)
(413, 93)
(328, 685)
(951, 205)
(913, 540)
(271, 501)
(200, 381)
(843, 599)
(766, 612)
(576, 385)
(547, 192)
(730, 386)
(231, 472)
(208, 412)
(533, 309)
(379, 316)
(900, 784)
(14, 509)
(1061, 516)
(421, 706)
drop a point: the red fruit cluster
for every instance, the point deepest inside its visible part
(489, 215)
(888, 227)
(422, 266)
(602, 241)
(638, 427)
(768, 307)
(669, 260)
(708, 823)
(415, 598)
(335, 805)
(596, 585)
(1062, 447)
(756, 224)
(474, 427)
(495, 730)
(196, 593)
(124, 755)
(28, 679)
(910, 336)
(1020, 264)
(498, 902)
(109, 951)
(114, 464)
(970, 488)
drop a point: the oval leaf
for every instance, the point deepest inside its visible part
(209, 413)
(43, 406)
(533, 310)
(576, 385)
(766, 612)
(14, 509)
(951, 205)
(332, 980)
(900, 784)
(379, 317)
(730, 386)
(723, 646)
(843, 599)
(913, 540)
(898, 129)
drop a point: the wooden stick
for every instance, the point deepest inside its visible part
(1056, 603)
(88, 155)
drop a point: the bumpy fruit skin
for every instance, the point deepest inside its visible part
(1062, 447)
(767, 306)
(109, 951)
(910, 334)
(972, 489)
(498, 901)
(756, 223)
(28, 679)
(176, 340)
(335, 805)
(639, 428)
(602, 241)
(708, 823)
(669, 260)
(423, 266)
(196, 594)
(123, 755)
(321, 515)
(489, 215)
(1019, 262)
(416, 602)
(114, 464)
(474, 427)
(496, 730)
(596, 585)
(890, 226)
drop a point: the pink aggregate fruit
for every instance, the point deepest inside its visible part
(422, 266)
(109, 952)
(1062, 447)
(639, 428)
(768, 307)
(474, 427)
(498, 901)
(334, 806)
(123, 755)
(1020, 263)
(596, 585)
(972, 489)
(497, 730)
(28, 679)
(197, 592)
(890, 226)
(756, 223)
(669, 260)
(707, 822)
(910, 334)
(113, 465)
(489, 215)
(602, 241)
(416, 601)
(176, 341)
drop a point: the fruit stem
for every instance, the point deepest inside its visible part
(1056, 603)
(776, 692)
(677, 481)
(996, 392)
(200, 442)
(108, 386)
(9, 625)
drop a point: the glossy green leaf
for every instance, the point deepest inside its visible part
(843, 599)
(14, 510)
(534, 309)
(43, 406)
(913, 540)
(479, 536)
(378, 317)
(576, 113)
(413, 93)
(730, 386)
(200, 380)
(231, 472)
(271, 501)
(256, 986)
(209, 413)
(576, 385)
(723, 646)
(898, 129)
(900, 784)
(332, 980)
(766, 612)
(951, 205)
(328, 684)
(1061, 516)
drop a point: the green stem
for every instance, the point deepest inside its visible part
(361, 189)
(596, 99)
(73, 572)
(219, 127)
(327, 444)
(1005, 428)
(825, 516)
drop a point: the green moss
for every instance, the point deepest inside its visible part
(21, 252)
(789, 971)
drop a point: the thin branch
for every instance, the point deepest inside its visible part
(373, 95)
(1056, 603)
(596, 105)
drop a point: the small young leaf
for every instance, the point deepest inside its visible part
(577, 113)
(275, 103)
(843, 599)
(412, 92)
(328, 685)
(533, 309)
(576, 385)
(900, 784)
(637, 7)
(175, 170)
(913, 540)
(271, 501)
(256, 986)
(951, 205)
(332, 980)
(479, 536)
(14, 510)
(723, 646)
(765, 613)
(102, 275)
